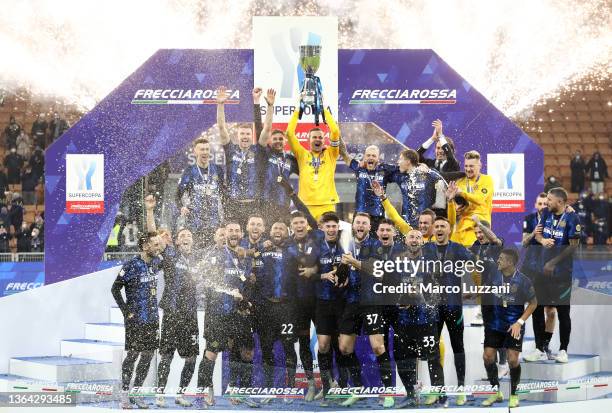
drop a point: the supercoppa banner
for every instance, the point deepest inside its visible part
(276, 43)
(135, 134)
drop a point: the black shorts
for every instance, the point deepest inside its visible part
(179, 331)
(552, 290)
(280, 322)
(327, 316)
(417, 340)
(224, 331)
(260, 318)
(356, 317)
(305, 315)
(500, 339)
(141, 337)
(390, 315)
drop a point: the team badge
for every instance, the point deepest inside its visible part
(484, 190)
(562, 224)
(215, 178)
(514, 288)
(250, 156)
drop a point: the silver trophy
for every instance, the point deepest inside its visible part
(310, 60)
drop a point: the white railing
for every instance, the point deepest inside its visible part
(40, 256)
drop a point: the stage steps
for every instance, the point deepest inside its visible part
(61, 369)
(579, 365)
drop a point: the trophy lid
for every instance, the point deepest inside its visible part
(310, 50)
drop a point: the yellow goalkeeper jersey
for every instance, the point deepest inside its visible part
(317, 171)
(479, 194)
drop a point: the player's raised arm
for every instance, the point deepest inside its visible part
(334, 133)
(437, 125)
(344, 153)
(222, 96)
(294, 144)
(493, 239)
(392, 213)
(150, 206)
(451, 191)
(264, 136)
(257, 110)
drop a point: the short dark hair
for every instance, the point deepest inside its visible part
(329, 216)
(145, 238)
(559, 193)
(386, 221)
(411, 155)
(485, 223)
(362, 214)
(232, 222)
(429, 212)
(512, 254)
(277, 131)
(256, 216)
(314, 130)
(200, 140)
(244, 126)
(441, 218)
(297, 214)
(542, 195)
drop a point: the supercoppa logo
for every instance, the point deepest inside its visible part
(284, 51)
(85, 183)
(506, 171)
(85, 168)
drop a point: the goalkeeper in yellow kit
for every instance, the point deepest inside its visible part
(317, 186)
(477, 189)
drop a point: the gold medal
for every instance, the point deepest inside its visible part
(279, 179)
(239, 171)
(504, 303)
(153, 291)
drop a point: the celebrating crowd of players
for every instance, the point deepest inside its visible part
(267, 270)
